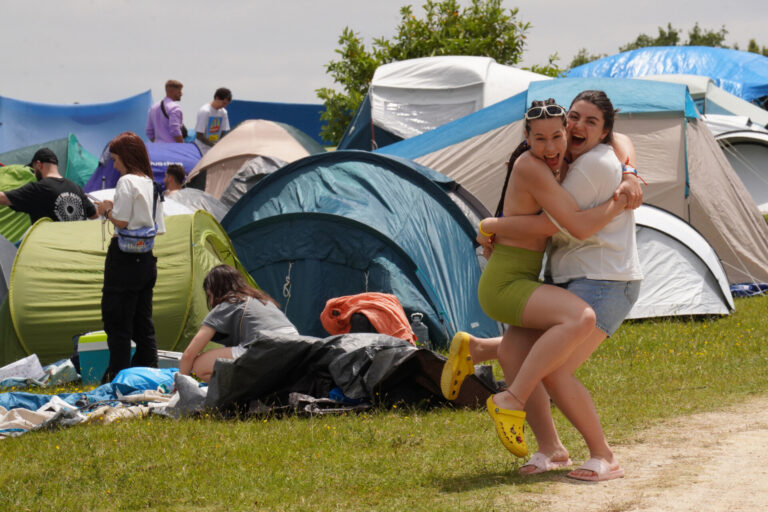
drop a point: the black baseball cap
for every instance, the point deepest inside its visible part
(45, 155)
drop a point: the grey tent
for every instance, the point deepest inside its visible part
(249, 174)
(195, 199)
(7, 255)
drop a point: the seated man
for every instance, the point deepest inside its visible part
(174, 179)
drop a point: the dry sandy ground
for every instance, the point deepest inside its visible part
(710, 462)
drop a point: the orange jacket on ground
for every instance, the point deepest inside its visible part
(383, 310)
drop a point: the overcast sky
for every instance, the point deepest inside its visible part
(92, 51)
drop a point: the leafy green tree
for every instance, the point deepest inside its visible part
(755, 48)
(697, 37)
(583, 57)
(669, 37)
(483, 28)
(549, 69)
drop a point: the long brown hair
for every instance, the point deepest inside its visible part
(224, 283)
(133, 153)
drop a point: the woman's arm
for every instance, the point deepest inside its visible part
(630, 184)
(198, 343)
(561, 205)
(105, 208)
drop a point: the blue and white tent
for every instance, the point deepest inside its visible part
(686, 171)
(347, 222)
(743, 74)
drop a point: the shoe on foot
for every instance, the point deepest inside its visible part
(540, 463)
(510, 427)
(458, 366)
(602, 470)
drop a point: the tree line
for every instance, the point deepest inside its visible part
(445, 28)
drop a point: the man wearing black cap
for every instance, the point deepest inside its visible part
(51, 196)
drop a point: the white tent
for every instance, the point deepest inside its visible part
(746, 147)
(413, 96)
(407, 98)
(683, 275)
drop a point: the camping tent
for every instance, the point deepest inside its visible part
(75, 162)
(347, 222)
(686, 171)
(712, 100)
(249, 174)
(303, 116)
(195, 199)
(7, 255)
(744, 74)
(24, 123)
(409, 97)
(746, 146)
(55, 288)
(252, 138)
(13, 224)
(682, 273)
(161, 155)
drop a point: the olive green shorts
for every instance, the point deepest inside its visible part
(509, 279)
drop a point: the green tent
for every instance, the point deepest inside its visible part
(75, 162)
(56, 280)
(13, 224)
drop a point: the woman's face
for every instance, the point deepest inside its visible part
(586, 127)
(547, 140)
(118, 164)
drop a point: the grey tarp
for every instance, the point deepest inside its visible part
(375, 367)
(196, 199)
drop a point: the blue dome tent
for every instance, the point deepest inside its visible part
(347, 222)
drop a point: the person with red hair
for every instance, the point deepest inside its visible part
(130, 269)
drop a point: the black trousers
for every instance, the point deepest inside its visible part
(126, 309)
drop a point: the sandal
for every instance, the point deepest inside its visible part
(510, 427)
(458, 366)
(542, 463)
(602, 470)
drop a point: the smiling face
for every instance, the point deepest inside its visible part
(547, 140)
(586, 127)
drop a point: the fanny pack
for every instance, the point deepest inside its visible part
(142, 239)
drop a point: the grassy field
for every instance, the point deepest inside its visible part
(395, 459)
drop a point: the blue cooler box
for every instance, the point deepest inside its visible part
(94, 356)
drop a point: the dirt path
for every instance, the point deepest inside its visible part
(710, 462)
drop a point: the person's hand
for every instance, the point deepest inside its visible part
(487, 251)
(103, 206)
(630, 188)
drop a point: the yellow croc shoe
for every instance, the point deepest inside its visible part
(510, 427)
(458, 366)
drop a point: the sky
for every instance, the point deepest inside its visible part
(94, 51)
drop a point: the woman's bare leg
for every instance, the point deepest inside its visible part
(566, 320)
(203, 364)
(575, 401)
(538, 410)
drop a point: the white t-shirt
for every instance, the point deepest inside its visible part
(211, 122)
(611, 253)
(133, 203)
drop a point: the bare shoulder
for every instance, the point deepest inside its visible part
(529, 166)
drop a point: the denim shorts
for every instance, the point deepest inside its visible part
(611, 300)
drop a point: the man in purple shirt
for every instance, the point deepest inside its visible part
(165, 120)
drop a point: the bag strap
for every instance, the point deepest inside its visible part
(155, 194)
(245, 308)
(162, 107)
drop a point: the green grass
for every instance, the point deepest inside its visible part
(395, 459)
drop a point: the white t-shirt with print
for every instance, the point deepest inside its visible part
(211, 122)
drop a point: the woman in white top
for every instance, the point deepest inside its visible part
(129, 277)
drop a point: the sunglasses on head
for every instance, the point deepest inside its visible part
(551, 110)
